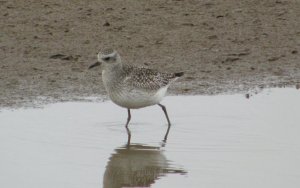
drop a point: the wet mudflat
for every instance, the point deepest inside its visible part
(215, 141)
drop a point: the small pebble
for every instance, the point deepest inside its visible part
(106, 24)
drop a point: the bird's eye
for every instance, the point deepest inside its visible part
(106, 59)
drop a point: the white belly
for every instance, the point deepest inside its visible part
(134, 99)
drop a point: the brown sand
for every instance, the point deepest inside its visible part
(222, 46)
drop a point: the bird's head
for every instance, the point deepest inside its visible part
(107, 57)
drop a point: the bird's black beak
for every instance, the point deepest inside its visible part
(94, 65)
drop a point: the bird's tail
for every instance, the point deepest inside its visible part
(178, 74)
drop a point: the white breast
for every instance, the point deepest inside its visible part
(134, 99)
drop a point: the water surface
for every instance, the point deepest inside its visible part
(215, 141)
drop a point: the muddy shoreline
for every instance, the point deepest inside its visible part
(223, 47)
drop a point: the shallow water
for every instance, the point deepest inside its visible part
(215, 141)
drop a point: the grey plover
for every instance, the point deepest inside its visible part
(133, 87)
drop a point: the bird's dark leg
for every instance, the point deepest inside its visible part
(166, 135)
(128, 136)
(128, 118)
(165, 111)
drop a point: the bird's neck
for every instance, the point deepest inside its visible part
(113, 68)
(111, 72)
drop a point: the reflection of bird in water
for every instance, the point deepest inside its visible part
(137, 165)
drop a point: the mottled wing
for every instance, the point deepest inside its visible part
(144, 78)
